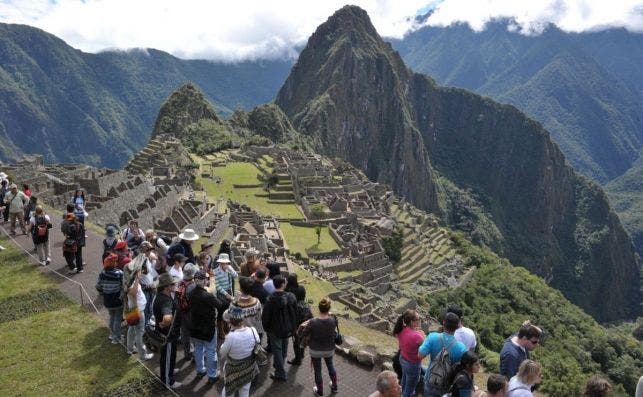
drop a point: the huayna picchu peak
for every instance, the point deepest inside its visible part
(486, 168)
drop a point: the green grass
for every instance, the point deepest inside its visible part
(349, 274)
(300, 238)
(60, 351)
(243, 174)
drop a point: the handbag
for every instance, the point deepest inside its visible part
(260, 354)
(339, 339)
(133, 316)
(155, 337)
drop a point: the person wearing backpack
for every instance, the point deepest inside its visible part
(183, 291)
(133, 236)
(445, 351)
(74, 242)
(110, 240)
(40, 223)
(110, 286)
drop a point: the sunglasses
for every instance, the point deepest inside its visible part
(535, 342)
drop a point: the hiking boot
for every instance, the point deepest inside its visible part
(294, 362)
(213, 380)
(333, 387)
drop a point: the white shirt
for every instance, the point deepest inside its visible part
(174, 272)
(239, 344)
(141, 301)
(466, 336)
(148, 278)
(33, 219)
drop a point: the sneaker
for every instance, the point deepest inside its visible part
(333, 387)
(176, 385)
(71, 271)
(294, 362)
(147, 356)
(317, 392)
(274, 377)
(114, 341)
(43, 263)
(79, 271)
(201, 374)
(133, 351)
(47, 261)
(213, 380)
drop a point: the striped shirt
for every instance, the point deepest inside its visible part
(224, 279)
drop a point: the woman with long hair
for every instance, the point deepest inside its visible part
(240, 366)
(462, 382)
(410, 337)
(597, 386)
(529, 374)
(79, 205)
(322, 331)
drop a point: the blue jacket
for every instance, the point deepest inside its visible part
(511, 356)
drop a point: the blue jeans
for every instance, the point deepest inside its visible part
(410, 376)
(279, 353)
(208, 362)
(115, 319)
(317, 367)
(135, 337)
(149, 296)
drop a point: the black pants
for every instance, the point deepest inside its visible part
(299, 352)
(168, 360)
(74, 259)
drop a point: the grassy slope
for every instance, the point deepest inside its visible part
(243, 174)
(300, 239)
(58, 351)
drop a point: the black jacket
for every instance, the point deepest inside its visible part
(259, 292)
(203, 313)
(279, 315)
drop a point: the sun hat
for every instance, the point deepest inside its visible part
(189, 270)
(223, 258)
(147, 245)
(111, 230)
(166, 279)
(189, 235)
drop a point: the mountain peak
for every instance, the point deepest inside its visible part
(185, 106)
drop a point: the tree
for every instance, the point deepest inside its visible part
(318, 230)
(393, 245)
(317, 212)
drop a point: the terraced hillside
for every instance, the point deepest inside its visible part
(426, 246)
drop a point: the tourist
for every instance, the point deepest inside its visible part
(40, 223)
(26, 190)
(110, 240)
(178, 261)
(168, 322)
(433, 345)
(410, 337)
(225, 248)
(74, 242)
(203, 309)
(160, 245)
(4, 190)
(149, 275)
(133, 236)
(15, 202)
(78, 201)
(597, 386)
(250, 306)
(517, 347)
(496, 386)
(110, 286)
(463, 334)
(462, 376)
(224, 276)
(258, 291)
(387, 385)
(639, 388)
(303, 314)
(251, 263)
(529, 375)
(30, 208)
(203, 262)
(184, 245)
(206, 250)
(273, 271)
(279, 317)
(136, 300)
(123, 253)
(321, 331)
(240, 366)
(184, 289)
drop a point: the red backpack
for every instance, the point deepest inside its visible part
(41, 226)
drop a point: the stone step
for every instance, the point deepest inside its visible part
(412, 254)
(415, 271)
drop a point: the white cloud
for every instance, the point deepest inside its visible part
(244, 29)
(532, 16)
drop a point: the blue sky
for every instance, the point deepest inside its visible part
(245, 29)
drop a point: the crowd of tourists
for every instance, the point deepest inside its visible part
(171, 296)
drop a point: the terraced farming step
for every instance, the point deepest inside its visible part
(415, 271)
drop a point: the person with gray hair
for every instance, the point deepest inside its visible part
(387, 385)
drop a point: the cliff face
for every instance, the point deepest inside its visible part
(347, 92)
(184, 107)
(353, 95)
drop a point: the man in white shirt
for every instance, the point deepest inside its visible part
(463, 334)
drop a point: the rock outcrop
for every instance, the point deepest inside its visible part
(184, 107)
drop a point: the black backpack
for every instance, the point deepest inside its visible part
(441, 368)
(303, 312)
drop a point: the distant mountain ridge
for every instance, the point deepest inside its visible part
(353, 96)
(100, 108)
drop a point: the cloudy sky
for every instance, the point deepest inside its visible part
(245, 29)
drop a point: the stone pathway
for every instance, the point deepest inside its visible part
(354, 380)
